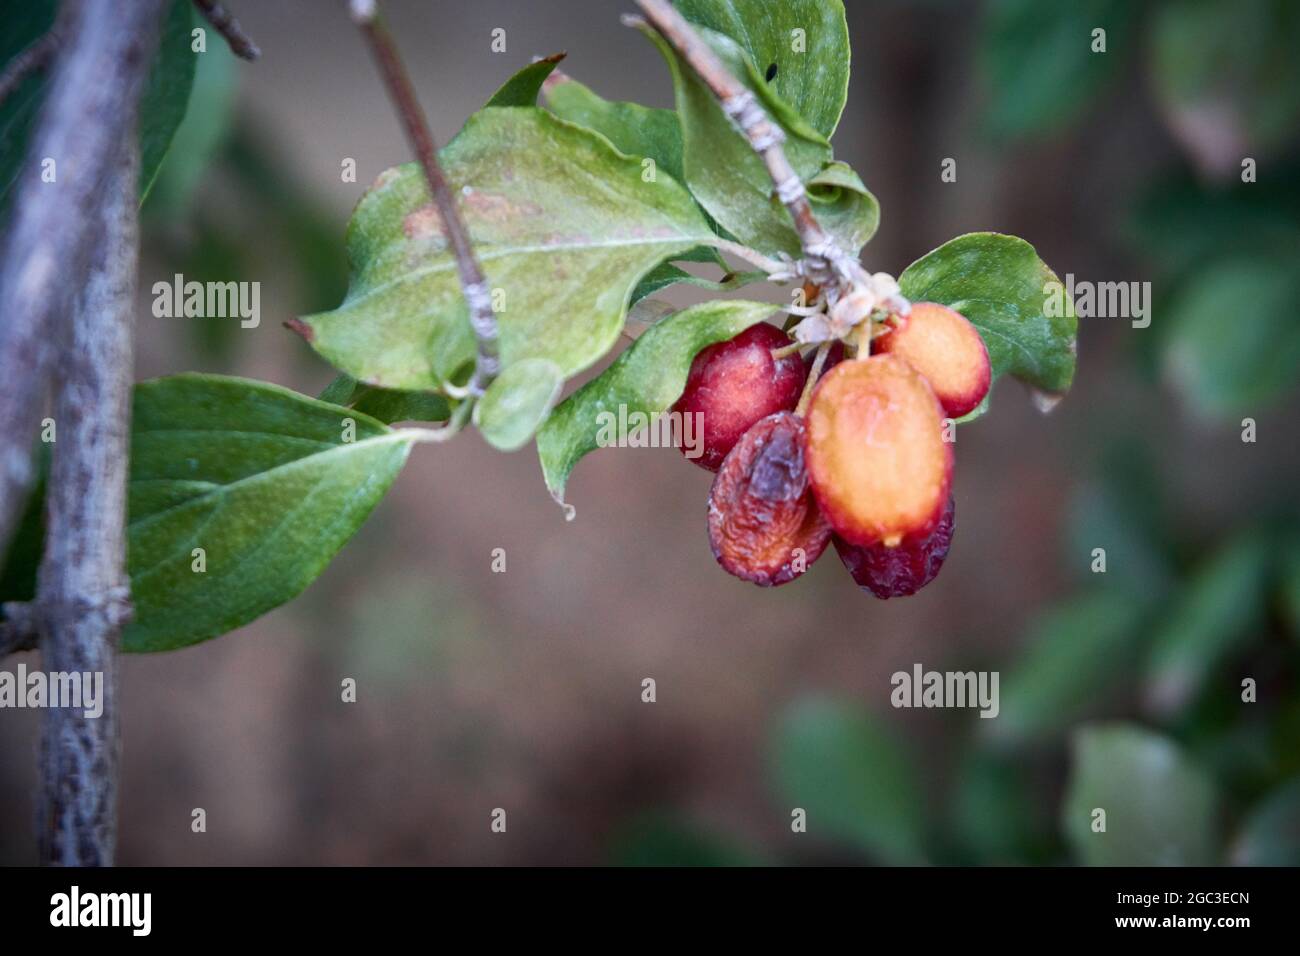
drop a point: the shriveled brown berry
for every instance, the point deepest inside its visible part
(902, 570)
(764, 525)
(733, 384)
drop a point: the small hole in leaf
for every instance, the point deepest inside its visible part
(771, 73)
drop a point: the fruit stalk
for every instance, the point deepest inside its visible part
(813, 374)
(472, 282)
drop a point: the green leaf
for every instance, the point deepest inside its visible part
(1004, 289)
(722, 171)
(259, 477)
(200, 135)
(340, 390)
(517, 402)
(1160, 807)
(843, 206)
(162, 105)
(389, 405)
(857, 783)
(563, 225)
(1226, 75)
(523, 88)
(1217, 612)
(639, 131)
(1038, 60)
(642, 133)
(1270, 835)
(166, 95)
(806, 40)
(386, 404)
(1073, 657)
(1232, 345)
(667, 274)
(647, 378)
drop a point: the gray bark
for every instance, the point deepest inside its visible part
(67, 292)
(90, 108)
(83, 595)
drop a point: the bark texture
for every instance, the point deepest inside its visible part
(89, 110)
(69, 293)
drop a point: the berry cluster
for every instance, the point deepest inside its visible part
(848, 449)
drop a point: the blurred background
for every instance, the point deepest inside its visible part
(1120, 689)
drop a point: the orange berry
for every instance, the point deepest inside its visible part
(945, 348)
(877, 461)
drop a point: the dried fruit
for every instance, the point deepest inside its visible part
(902, 570)
(877, 461)
(940, 344)
(733, 384)
(764, 525)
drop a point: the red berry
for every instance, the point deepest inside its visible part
(764, 525)
(733, 384)
(898, 572)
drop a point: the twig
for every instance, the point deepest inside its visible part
(35, 57)
(447, 430)
(823, 256)
(99, 75)
(753, 256)
(472, 282)
(224, 22)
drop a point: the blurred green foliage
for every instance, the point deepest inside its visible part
(854, 779)
(1040, 64)
(222, 175)
(1160, 808)
(162, 106)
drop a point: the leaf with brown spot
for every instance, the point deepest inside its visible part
(563, 224)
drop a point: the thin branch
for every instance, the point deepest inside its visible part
(752, 256)
(103, 68)
(34, 58)
(224, 22)
(822, 254)
(472, 282)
